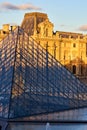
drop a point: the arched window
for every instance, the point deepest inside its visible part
(86, 49)
(54, 50)
(74, 44)
(74, 54)
(81, 70)
(74, 69)
(46, 32)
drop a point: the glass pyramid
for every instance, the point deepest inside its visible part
(32, 82)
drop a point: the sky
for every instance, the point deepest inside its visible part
(66, 15)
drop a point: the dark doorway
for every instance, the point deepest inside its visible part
(74, 69)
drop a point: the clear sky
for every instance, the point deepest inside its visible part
(66, 15)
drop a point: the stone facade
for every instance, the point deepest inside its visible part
(67, 47)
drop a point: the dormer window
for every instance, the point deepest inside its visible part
(4, 32)
(74, 44)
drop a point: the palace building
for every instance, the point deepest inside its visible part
(69, 48)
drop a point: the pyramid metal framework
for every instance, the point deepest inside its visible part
(32, 82)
